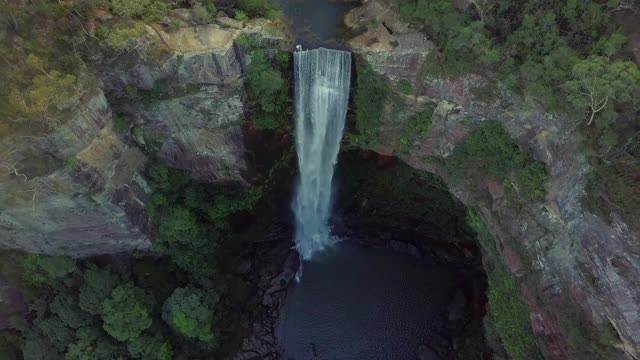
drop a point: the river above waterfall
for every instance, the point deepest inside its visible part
(316, 22)
(355, 302)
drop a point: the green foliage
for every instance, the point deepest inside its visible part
(56, 331)
(597, 83)
(405, 87)
(190, 312)
(47, 270)
(148, 10)
(125, 314)
(91, 344)
(417, 126)
(507, 319)
(268, 89)
(241, 16)
(66, 307)
(97, 286)
(257, 8)
(203, 11)
(120, 37)
(371, 97)
(120, 124)
(610, 45)
(150, 348)
(491, 153)
(190, 220)
(38, 348)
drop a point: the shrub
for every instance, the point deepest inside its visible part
(405, 87)
(149, 10)
(241, 16)
(120, 37)
(490, 153)
(47, 270)
(257, 8)
(120, 124)
(417, 126)
(203, 13)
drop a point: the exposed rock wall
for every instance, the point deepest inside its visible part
(79, 190)
(574, 254)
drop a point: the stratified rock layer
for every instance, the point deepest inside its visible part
(577, 255)
(79, 189)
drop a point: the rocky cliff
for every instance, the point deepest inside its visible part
(565, 257)
(79, 190)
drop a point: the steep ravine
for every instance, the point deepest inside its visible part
(578, 272)
(82, 189)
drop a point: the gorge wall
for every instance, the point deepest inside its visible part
(79, 190)
(564, 256)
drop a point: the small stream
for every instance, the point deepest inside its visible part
(357, 303)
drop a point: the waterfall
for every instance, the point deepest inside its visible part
(322, 78)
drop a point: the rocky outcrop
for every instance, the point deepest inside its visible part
(69, 192)
(575, 255)
(79, 189)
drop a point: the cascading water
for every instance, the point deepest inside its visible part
(322, 78)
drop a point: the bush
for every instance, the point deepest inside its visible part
(203, 13)
(417, 126)
(257, 8)
(149, 10)
(490, 153)
(120, 37)
(47, 270)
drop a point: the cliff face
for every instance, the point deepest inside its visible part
(575, 256)
(78, 190)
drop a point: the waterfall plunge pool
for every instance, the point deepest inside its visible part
(362, 303)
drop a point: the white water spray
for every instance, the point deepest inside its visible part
(322, 78)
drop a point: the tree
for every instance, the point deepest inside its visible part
(125, 314)
(597, 83)
(91, 344)
(47, 270)
(56, 331)
(483, 7)
(69, 312)
(146, 347)
(39, 348)
(96, 287)
(190, 312)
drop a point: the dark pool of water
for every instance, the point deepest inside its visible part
(355, 303)
(316, 22)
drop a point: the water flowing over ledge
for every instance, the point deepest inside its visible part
(322, 79)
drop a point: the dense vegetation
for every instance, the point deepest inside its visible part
(178, 304)
(268, 85)
(570, 56)
(490, 153)
(371, 96)
(506, 326)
